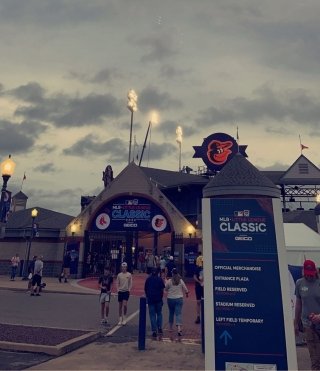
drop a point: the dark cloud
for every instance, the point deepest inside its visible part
(47, 148)
(106, 75)
(46, 168)
(170, 72)
(125, 125)
(277, 166)
(290, 44)
(62, 200)
(65, 111)
(160, 47)
(31, 92)
(49, 13)
(296, 106)
(114, 149)
(19, 138)
(168, 129)
(150, 98)
(159, 151)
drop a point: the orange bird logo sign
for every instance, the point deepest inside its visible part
(217, 149)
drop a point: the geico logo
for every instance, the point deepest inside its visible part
(243, 238)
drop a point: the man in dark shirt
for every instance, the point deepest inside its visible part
(153, 288)
(170, 265)
(105, 282)
(66, 267)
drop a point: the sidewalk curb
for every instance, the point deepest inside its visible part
(56, 350)
(49, 291)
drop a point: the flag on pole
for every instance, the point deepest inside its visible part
(23, 179)
(302, 146)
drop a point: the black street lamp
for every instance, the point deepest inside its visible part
(7, 169)
(34, 214)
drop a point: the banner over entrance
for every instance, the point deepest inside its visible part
(130, 213)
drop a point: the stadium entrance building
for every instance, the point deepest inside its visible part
(131, 217)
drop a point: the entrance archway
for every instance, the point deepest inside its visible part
(121, 228)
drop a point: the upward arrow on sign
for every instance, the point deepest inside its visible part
(225, 335)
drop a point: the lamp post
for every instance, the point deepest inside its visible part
(7, 169)
(73, 230)
(34, 214)
(190, 230)
(132, 106)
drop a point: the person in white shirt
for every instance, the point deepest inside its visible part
(175, 288)
(37, 276)
(124, 285)
(15, 260)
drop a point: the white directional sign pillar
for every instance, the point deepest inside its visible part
(248, 318)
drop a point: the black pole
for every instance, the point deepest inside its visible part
(3, 215)
(25, 270)
(144, 144)
(26, 262)
(142, 324)
(128, 255)
(202, 326)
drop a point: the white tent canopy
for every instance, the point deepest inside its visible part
(302, 243)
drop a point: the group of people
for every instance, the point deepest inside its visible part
(160, 279)
(34, 270)
(176, 289)
(168, 279)
(147, 262)
(124, 285)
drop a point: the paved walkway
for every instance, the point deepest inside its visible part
(103, 355)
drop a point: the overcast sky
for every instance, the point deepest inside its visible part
(208, 66)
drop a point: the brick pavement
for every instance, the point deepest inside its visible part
(174, 353)
(191, 331)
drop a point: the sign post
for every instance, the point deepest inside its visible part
(247, 302)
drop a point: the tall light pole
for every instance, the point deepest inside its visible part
(132, 106)
(179, 141)
(7, 169)
(34, 214)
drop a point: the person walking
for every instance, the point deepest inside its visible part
(15, 260)
(307, 309)
(65, 267)
(162, 264)
(30, 272)
(124, 285)
(153, 289)
(37, 276)
(105, 282)
(198, 279)
(141, 262)
(150, 262)
(169, 267)
(175, 288)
